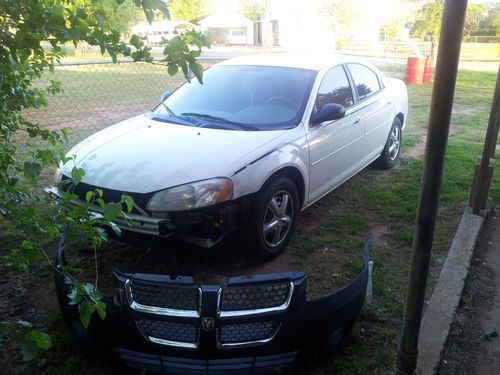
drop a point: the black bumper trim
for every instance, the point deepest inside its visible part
(178, 365)
(305, 325)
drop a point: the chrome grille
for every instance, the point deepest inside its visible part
(164, 296)
(248, 333)
(168, 333)
(252, 298)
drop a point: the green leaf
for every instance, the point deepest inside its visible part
(112, 211)
(86, 309)
(172, 70)
(68, 197)
(77, 175)
(30, 252)
(41, 339)
(32, 171)
(29, 350)
(129, 202)
(65, 133)
(197, 70)
(101, 310)
(77, 212)
(136, 41)
(89, 196)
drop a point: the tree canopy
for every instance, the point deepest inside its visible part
(253, 9)
(481, 19)
(188, 10)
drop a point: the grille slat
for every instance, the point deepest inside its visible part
(247, 332)
(164, 296)
(175, 332)
(251, 298)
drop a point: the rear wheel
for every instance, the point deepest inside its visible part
(272, 219)
(392, 148)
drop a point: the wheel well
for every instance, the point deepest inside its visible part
(401, 118)
(295, 175)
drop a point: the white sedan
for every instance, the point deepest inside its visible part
(264, 137)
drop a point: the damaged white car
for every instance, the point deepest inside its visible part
(264, 137)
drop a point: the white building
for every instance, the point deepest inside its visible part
(153, 33)
(229, 27)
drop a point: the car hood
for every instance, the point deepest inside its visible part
(141, 155)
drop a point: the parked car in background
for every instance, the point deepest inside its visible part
(237, 37)
(263, 138)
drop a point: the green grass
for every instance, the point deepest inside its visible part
(99, 95)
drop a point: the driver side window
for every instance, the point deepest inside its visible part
(334, 88)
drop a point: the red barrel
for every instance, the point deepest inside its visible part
(428, 69)
(415, 70)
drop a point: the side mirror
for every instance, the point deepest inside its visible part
(165, 95)
(328, 112)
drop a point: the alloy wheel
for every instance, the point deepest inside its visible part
(278, 218)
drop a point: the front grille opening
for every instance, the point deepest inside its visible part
(251, 298)
(248, 332)
(165, 296)
(176, 332)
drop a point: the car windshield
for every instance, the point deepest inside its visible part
(241, 98)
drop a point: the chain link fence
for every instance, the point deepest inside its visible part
(100, 93)
(97, 94)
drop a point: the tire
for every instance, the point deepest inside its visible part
(271, 225)
(390, 154)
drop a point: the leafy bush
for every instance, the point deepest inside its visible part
(32, 34)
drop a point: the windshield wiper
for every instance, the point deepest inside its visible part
(221, 120)
(174, 115)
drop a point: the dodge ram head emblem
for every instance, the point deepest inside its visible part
(208, 324)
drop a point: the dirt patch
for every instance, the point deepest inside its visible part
(418, 150)
(379, 232)
(473, 346)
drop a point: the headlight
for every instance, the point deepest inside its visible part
(193, 195)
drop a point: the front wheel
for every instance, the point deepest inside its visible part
(392, 148)
(273, 217)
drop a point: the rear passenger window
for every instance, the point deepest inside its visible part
(334, 88)
(365, 79)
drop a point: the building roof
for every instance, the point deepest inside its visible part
(225, 19)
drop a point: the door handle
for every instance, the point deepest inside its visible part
(389, 102)
(356, 121)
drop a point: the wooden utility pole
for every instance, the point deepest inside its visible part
(485, 164)
(450, 41)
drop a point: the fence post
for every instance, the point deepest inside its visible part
(394, 64)
(483, 171)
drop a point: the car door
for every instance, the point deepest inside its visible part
(335, 147)
(375, 105)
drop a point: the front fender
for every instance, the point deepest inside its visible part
(250, 178)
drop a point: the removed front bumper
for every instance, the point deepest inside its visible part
(249, 325)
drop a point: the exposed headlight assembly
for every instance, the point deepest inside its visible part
(193, 195)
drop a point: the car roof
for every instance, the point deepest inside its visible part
(311, 61)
